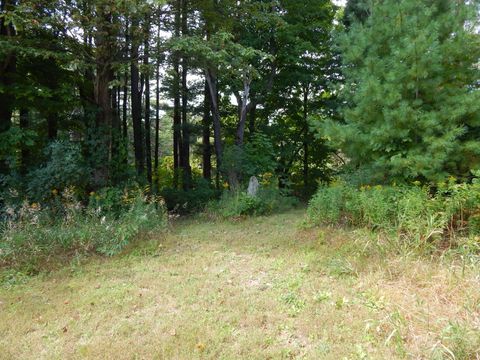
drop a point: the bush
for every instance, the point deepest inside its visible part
(253, 159)
(186, 202)
(412, 212)
(64, 168)
(234, 204)
(33, 238)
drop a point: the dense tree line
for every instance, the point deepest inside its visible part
(98, 93)
(97, 80)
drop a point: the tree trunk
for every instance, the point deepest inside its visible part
(306, 91)
(116, 131)
(206, 146)
(217, 136)
(157, 117)
(177, 118)
(136, 103)
(148, 143)
(244, 107)
(185, 151)
(7, 72)
(252, 118)
(105, 47)
(125, 91)
(25, 153)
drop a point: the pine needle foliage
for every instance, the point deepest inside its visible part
(411, 92)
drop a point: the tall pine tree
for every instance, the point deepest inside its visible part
(413, 103)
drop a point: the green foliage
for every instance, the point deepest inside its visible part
(191, 200)
(64, 168)
(35, 239)
(442, 215)
(235, 204)
(411, 96)
(11, 140)
(457, 340)
(255, 158)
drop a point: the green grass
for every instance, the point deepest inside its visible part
(262, 288)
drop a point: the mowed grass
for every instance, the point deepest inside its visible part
(261, 288)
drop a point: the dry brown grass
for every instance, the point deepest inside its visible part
(259, 289)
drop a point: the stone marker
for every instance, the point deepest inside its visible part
(253, 186)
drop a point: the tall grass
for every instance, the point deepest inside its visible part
(234, 204)
(441, 217)
(34, 239)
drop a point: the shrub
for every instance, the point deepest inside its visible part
(185, 202)
(33, 238)
(254, 158)
(64, 168)
(412, 212)
(237, 203)
(327, 206)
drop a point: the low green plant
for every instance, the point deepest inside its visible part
(237, 203)
(34, 240)
(421, 214)
(189, 201)
(457, 342)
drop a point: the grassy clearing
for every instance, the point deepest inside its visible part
(263, 288)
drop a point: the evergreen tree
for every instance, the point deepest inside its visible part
(355, 10)
(411, 89)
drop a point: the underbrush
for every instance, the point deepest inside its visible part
(35, 238)
(189, 201)
(234, 204)
(447, 216)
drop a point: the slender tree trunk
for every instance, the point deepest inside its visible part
(104, 40)
(148, 143)
(157, 114)
(206, 146)
(306, 138)
(125, 109)
(157, 117)
(116, 131)
(185, 151)
(25, 153)
(118, 108)
(244, 105)
(136, 103)
(125, 91)
(252, 118)
(116, 124)
(177, 118)
(217, 136)
(7, 71)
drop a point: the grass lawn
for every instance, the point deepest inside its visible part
(262, 288)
